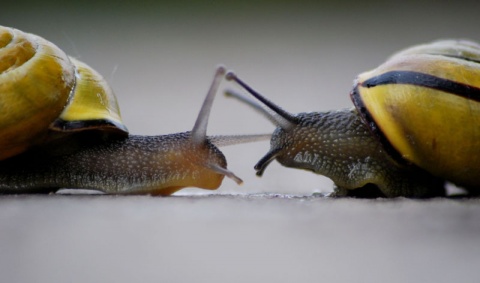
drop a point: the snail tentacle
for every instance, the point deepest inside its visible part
(226, 140)
(273, 117)
(284, 119)
(199, 131)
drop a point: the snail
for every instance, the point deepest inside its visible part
(60, 127)
(415, 125)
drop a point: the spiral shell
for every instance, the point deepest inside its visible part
(43, 90)
(424, 105)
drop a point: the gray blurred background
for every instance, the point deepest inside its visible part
(159, 57)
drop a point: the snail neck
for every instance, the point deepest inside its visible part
(336, 144)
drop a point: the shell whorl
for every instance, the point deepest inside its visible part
(36, 79)
(42, 89)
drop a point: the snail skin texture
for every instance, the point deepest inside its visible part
(415, 125)
(60, 127)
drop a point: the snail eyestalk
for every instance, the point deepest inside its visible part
(270, 115)
(284, 118)
(199, 131)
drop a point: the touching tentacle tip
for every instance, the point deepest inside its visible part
(230, 76)
(221, 69)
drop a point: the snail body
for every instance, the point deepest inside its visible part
(414, 126)
(60, 126)
(157, 165)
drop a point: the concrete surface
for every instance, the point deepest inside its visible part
(237, 238)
